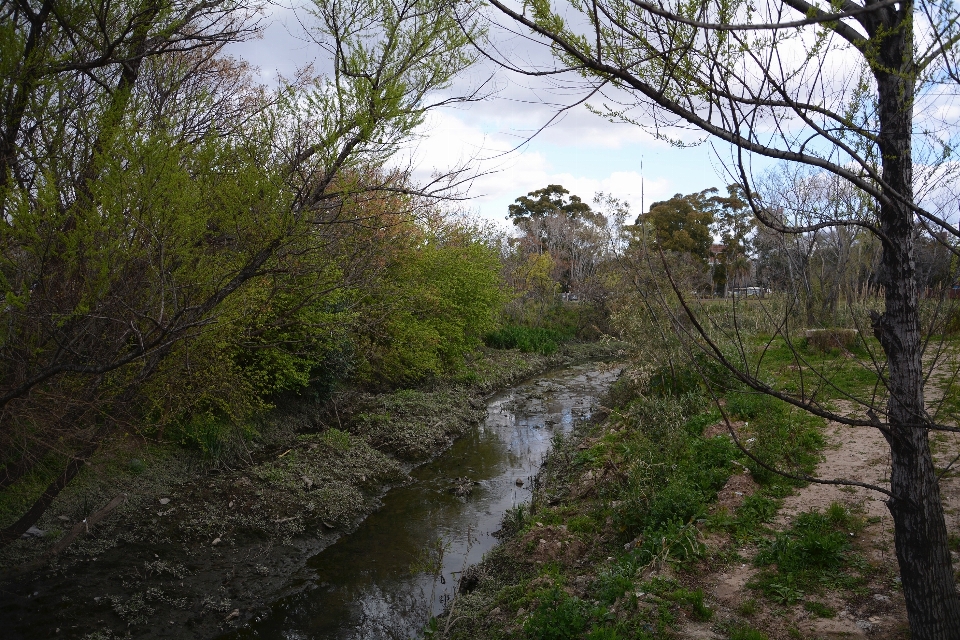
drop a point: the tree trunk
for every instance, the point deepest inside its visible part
(31, 517)
(933, 606)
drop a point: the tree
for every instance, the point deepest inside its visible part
(733, 224)
(567, 229)
(753, 76)
(549, 201)
(150, 196)
(682, 224)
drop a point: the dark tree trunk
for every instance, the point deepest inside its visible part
(31, 517)
(933, 606)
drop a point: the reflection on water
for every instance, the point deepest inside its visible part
(375, 583)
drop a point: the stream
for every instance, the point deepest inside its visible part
(401, 566)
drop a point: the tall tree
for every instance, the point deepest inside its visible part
(838, 87)
(564, 227)
(682, 224)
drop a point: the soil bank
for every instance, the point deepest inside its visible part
(200, 547)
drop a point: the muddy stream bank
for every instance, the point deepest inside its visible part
(385, 579)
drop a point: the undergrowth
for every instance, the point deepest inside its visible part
(816, 553)
(638, 492)
(527, 339)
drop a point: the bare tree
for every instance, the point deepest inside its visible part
(849, 89)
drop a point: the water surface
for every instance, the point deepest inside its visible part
(401, 566)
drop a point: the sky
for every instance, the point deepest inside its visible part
(580, 150)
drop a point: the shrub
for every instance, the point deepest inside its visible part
(827, 339)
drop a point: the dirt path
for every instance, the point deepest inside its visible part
(878, 611)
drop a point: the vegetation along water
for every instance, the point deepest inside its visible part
(246, 340)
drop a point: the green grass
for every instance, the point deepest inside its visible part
(559, 617)
(819, 609)
(746, 633)
(814, 554)
(826, 374)
(527, 339)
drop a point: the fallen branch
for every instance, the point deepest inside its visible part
(81, 527)
(84, 527)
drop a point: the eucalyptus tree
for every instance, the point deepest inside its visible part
(147, 186)
(859, 90)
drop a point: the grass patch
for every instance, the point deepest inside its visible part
(819, 609)
(527, 339)
(559, 617)
(815, 553)
(829, 372)
(746, 633)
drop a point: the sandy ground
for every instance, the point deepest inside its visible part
(859, 454)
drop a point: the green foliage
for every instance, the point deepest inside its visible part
(682, 224)
(336, 439)
(616, 579)
(526, 339)
(550, 200)
(440, 298)
(746, 633)
(206, 253)
(815, 552)
(559, 617)
(776, 433)
(819, 609)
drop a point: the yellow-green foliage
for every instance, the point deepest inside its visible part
(440, 297)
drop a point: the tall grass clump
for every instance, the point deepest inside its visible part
(527, 339)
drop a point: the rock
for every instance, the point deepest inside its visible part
(34, 532)
(519, 482)
(469, 579)
(64, 518)
(879, 597)
(233, 614)
(164, 500)
(216, 541)
(462, 487)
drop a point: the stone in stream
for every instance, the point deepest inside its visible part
(462, 487)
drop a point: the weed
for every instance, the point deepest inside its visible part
(746, 633)
(582, 524)
(748, 608)
(954, 541)
(336, 439)
(615, 580)
(514, 519)
(700, 611)
(819, 609)
(559, 617)
(814, 553)
(783, 593)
